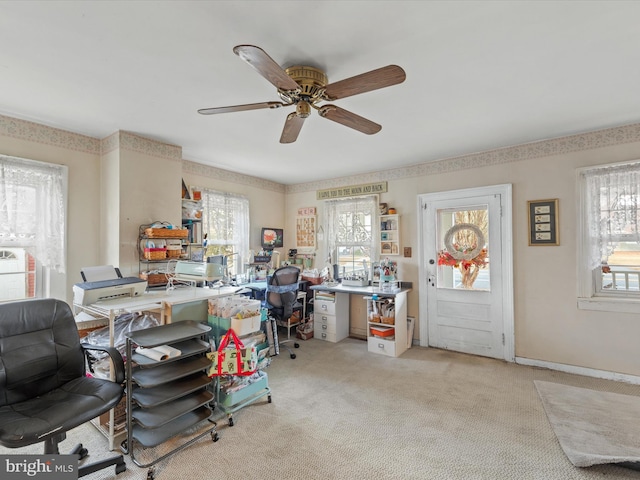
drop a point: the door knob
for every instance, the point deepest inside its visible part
(432, 261)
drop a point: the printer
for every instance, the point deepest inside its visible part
(199, 271)
(105, 283)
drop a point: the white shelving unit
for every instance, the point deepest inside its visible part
(389, 315)
(389, 234)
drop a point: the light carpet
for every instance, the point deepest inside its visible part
(593, 427)
(339, 412)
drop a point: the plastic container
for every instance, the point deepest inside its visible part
(380, 331)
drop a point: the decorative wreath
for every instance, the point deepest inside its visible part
(458, 255)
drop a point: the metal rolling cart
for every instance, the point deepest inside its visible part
(230, 402)
(167, 388)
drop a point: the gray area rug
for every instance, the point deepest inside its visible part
(593, 427)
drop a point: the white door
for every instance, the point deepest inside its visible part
(466, 300)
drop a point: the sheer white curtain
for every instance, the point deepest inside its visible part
(33, 209)
(225, 220)
(613, 200)
(341, 222)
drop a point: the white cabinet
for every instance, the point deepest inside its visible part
(389, 234)
(387, 324)
(330, 316)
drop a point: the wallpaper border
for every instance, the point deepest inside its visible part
(36, 132)
(229, 176)
(526, 151)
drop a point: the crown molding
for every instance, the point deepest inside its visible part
(527, 151)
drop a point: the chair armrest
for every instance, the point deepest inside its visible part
(116, 359)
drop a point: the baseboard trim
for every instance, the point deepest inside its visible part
(587, 372)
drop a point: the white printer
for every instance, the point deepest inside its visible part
(199, 271)
(104, 283)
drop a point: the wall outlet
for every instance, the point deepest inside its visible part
(407, 252)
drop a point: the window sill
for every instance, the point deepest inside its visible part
(609, 304)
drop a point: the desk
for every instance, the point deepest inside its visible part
(259, 290)
(331, 316)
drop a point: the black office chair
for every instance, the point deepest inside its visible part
(44, 391)
(281, 300)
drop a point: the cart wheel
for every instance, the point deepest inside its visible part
(83, 452)
(150, 474)
(293, 355)
(269, 399)
(214, 436)
(296, 345)
(231, 421)
(124, 447)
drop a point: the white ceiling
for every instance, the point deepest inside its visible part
(480, 75)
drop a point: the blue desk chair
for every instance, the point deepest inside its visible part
(281, 301)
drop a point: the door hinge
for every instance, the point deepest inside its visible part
(424, 206)
(503, 339)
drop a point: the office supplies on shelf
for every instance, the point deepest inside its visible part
(159, 353)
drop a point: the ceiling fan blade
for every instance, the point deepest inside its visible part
(345, 117)
(266, 66)
(365, 82)
(292, 127)
(241, 108)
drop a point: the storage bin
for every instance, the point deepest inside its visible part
(382, 331)
(166, 232)
(155, 253)
(234, 398)
(242, 326)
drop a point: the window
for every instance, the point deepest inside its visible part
(610, 239)
(351, 236)
(32, 225)
(225, 221)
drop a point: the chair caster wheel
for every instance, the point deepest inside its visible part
(150, 474)
(231, 421)
(293, 355)
(215, 437)
(83, 453)
(121, 467)
(296, 345)
(269, 399)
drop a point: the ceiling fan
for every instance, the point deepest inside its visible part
(306, 87)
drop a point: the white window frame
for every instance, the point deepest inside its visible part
(590, 294)
(45, 270)
(241, 239)
(335, 243)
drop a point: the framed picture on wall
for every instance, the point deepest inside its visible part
(543, 222)
(306, 231)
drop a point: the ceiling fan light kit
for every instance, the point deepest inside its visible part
(305, 87)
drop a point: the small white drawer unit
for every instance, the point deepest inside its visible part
(330, 316)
